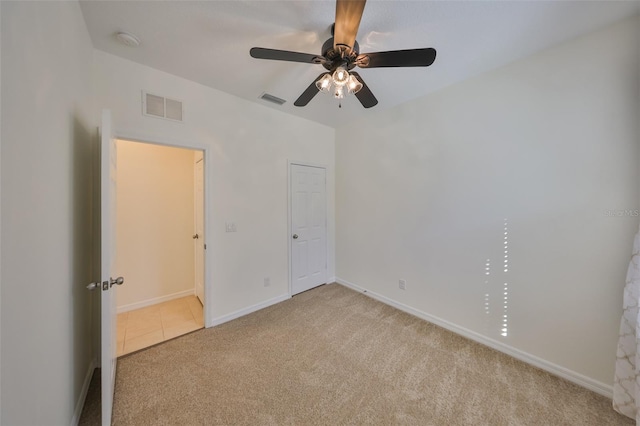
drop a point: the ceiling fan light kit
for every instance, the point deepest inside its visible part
(340, 54)
(338, 82)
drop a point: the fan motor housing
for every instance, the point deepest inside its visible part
(335, 57)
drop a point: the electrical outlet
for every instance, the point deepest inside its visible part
(267, 281)
(402, 284)
(230, 226)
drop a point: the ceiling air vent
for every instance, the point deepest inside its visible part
(273, 99)
(157, 106)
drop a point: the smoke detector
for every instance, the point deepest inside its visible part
(128, 39)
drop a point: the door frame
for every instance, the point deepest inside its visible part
(326, 218)
(199, 231)
(208, 270)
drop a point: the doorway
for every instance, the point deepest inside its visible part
(159, 243)
(198, 212)
(308, 227)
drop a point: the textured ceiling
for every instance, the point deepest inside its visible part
(209, 41)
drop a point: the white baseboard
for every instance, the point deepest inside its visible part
(331, 280)
(83, 393)
(155, 300)
(570, 375)
(250, 309)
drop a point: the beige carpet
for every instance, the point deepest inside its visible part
(332, 356)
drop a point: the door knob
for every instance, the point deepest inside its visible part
(107, 284)
(196, 236)
(117, 281)
(295, 236)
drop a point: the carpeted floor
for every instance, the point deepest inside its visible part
(332, 356)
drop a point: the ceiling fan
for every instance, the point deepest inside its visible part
(341, 53)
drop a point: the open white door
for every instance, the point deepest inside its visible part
(108, 244)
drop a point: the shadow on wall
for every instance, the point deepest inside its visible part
(85, 215)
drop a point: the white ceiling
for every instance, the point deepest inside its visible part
(209, 41)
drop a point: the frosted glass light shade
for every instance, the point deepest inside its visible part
(353, 85)
(340, 76)
(324, 84)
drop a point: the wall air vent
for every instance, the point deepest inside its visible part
(157, 106)
(274, 99)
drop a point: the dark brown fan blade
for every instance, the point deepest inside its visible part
(397, 58)
(309, 93)
(348, 15)
(364, 95)
(285, 55)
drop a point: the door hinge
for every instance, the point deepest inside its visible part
(205, 246)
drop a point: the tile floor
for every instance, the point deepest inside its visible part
(145, 327)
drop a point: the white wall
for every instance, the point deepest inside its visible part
(550, 143)
(48, 147)
(248, 147)
(155, 223)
